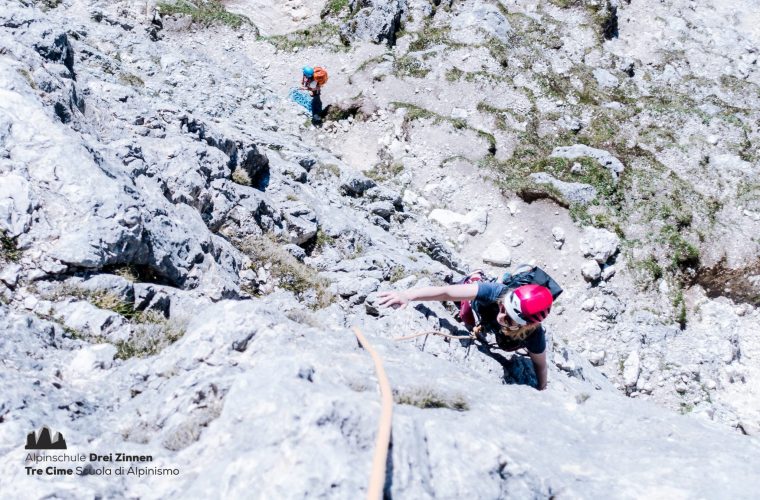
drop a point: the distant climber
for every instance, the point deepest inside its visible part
(314, 78)
(512, 309)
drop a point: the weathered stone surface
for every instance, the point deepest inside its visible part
(373, 20)
(497, 254)
(591, 270)
(573, 192)
(604, 158)
(599, 244)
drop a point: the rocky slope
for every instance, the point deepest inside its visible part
(182, 253)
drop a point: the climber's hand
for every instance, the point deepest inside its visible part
(393, 299)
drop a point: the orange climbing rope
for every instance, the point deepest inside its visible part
(383, 441)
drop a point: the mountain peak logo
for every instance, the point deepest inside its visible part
(45, 440)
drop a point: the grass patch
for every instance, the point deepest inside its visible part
(288, 273)
(334, 7)
(432, 36)
(322, 239)
(324, 35)
(113, 302)
(8, 248)
(151, 336)
(397, 273)
(384, 171)
(207, 13)
(409, 66)
(683, 255)
(427, 398)
(28, 77)
(326, 170)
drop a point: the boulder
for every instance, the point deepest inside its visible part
(355, 184)
(604, 158)
(599, 244)
(373, 20)
(591, 270)
(498, 254)
(572, 192)
(631, 369)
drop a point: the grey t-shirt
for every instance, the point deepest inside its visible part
(486, 306)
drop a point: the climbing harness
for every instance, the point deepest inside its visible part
(383, 441)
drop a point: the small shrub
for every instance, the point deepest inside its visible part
(8, 248)
(426, 398)
(384, 171)
(322, 239)
(679, 307)
(240, 176)
(397, 273)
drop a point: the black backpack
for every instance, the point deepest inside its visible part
(531, 275)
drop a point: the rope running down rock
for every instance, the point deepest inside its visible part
(382, 443)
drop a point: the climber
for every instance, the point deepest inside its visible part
(312, 83)
(514, 315)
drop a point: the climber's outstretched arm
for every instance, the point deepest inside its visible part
(439, 293)
(539, 365)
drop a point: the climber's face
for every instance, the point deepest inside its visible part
(503, 318)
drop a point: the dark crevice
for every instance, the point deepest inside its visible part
(529, 195)
(389, 472)
(610, 22)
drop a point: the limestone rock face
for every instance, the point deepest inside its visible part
(183, 253)
(373, 20)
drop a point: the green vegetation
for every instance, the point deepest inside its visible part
(326, 170)
(240, 176)
(650, 271)
(426, 398)
(397, 273)
(683, 254)
(415, 112)
(8, 248)
(322, 239)
(207, 13)
(409, 66)
(333, 7)
(384, 171)
(431, 36)
(113, 302)
(151, 337)
(454, 74)
(288, 272)
(679, 307)
(324, 34)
